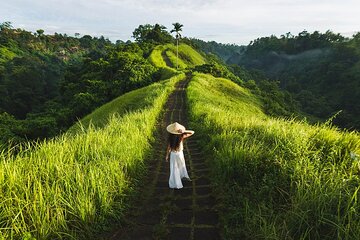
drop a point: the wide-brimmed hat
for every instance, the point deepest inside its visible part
(176, 128)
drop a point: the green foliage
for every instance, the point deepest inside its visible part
(217, 69)
(6, 55)
(177, 29)
(129, 102)
(76, 184)
(32, 66)
(277, 179)
(276, 101)
(58, 79)
(100, 80)
(27, 83)
(224, 51)
(152, 33)
(320, 70)
(9, 127)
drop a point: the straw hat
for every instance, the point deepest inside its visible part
(176, 128)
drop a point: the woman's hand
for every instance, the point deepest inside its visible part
(188, 133)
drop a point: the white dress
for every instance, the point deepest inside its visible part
(177, 168)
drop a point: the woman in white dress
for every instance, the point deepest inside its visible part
(177, 134)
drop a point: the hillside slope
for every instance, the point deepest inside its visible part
(164, 57)
(129, 102)
(320, 70)
(277, 179)
(75, 184)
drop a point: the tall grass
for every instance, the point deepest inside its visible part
(279, 179)
(75, 184)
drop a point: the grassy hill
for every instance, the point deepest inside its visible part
(75, 184)
(277, 178)
(129, 102)
(164, 57)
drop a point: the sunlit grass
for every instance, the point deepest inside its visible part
(280, 179)
(176, 62)
(188, 57)
(158, 61)
(75, 184)
(156, 58)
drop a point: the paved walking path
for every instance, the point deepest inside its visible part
(164, 213)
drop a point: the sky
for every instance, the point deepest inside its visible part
(225, 21)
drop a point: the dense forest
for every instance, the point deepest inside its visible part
(320, 70)
(47, 82)
(224, 51)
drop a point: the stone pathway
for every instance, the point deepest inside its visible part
(164, 213)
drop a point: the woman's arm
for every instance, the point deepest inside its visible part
(188, 133)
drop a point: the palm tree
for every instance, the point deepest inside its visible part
(177, 29)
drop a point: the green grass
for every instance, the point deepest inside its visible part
(174, 61)
(75, 184)
(157, 60)
(188, 57)
(277, 178)
(129, 102)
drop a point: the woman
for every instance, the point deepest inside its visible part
(177, 134)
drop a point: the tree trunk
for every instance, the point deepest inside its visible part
(177, 53)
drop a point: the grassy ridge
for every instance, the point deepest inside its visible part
(188, 57)
(73, 185)
(278, 179)
(129, 102)
(157, 60)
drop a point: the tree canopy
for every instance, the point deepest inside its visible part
(152, 34)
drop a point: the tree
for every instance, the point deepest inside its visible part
(5, 25)
(141, 32)
(151, 34)
(177, 29)
(40, 32)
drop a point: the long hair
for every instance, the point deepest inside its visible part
(174, 141)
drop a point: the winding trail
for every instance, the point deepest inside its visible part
(166, 59)
(164, 213)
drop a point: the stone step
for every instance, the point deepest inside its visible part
(207, 233)
(180, 217)
(180, 233)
